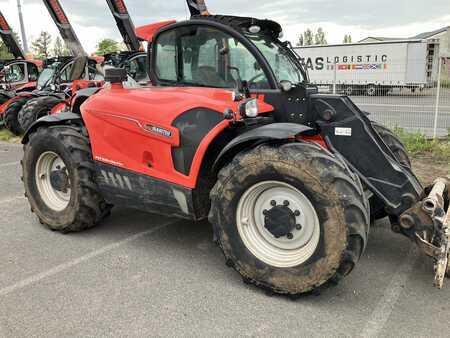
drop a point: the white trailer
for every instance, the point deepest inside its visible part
(373, 68)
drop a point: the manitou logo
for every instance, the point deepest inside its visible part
(158, 130)
(59, 12)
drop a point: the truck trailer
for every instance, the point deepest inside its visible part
(372, 68)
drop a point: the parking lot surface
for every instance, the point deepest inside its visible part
(143, 275)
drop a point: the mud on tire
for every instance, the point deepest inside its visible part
(85, 207)
(12, 116)
(335, 193)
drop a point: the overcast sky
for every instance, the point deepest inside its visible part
(397, 18)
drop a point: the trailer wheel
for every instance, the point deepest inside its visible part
(349, 90)
(289, 218)
(59, 179)
(12, 116)
(401, 155)
(371, 90)
(35, 109)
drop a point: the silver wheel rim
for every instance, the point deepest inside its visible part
(45, 165)
(278, 252)
(371, 91)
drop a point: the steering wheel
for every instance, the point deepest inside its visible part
(254, 78)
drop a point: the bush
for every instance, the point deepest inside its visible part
(417, 143)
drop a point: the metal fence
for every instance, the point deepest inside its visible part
(424, 109)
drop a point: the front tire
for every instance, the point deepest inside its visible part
(12, 116)
(59, 179)
(35, 109)
(319, 204)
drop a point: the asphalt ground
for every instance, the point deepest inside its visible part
(142, 275)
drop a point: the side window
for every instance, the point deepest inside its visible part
(33, 72)
(137, 68)
(16, 72)
(205, 56)
(166, 57)
(64, 75)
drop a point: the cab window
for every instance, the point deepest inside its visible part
(137, 68)
(207, 57)
(33, 72)
(16, 73)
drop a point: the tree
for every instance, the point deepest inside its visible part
(308, 38)
(106, 46)
(347, 38)
(60, 48)
(320, 37)
(41, 46)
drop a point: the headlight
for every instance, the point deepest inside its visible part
(249, 108)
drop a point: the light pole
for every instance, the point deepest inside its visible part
(22, 28)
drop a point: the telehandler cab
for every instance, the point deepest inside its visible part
(231, 130)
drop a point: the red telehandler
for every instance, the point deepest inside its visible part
(59, 73)
(17, 74)
(231, 130)
(134, 61)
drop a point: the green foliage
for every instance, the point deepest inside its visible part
(417, 143)
(59, 48)
(308, 38)
(42, 45)
(106, 46)
(320, 37)
(347, 38)
(7, 136)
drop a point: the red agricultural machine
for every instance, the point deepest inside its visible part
(133, 60)
(17, 74)
(232, 131)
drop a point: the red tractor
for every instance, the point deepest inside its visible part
(232, 131)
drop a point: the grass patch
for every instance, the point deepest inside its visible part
(417, 143)
(7, 136)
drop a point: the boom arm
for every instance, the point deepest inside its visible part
(65, 28)
(125, 24)
(9, 38)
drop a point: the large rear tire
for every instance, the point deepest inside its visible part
(59, 179)
(35, 109)
(12, 115)
(289, 218)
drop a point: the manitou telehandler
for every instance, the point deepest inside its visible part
(17, 74)
(134, 60)
(231, 130)
(59, 74)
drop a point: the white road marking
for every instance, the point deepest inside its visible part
(385, 306)
(9, 164)
(65, 266)
(13, 199)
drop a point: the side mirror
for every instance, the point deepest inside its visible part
(116, 75)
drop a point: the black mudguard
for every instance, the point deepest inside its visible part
(350, 133)
(266, 133)
(81, 96)
(51, 120)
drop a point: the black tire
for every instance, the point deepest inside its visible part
(86, 207)
(35, 109)
(377, 209)
(335, 193)
(394, 144)
(12, 115)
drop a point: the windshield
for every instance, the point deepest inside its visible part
(46, 76)
(279, 58)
